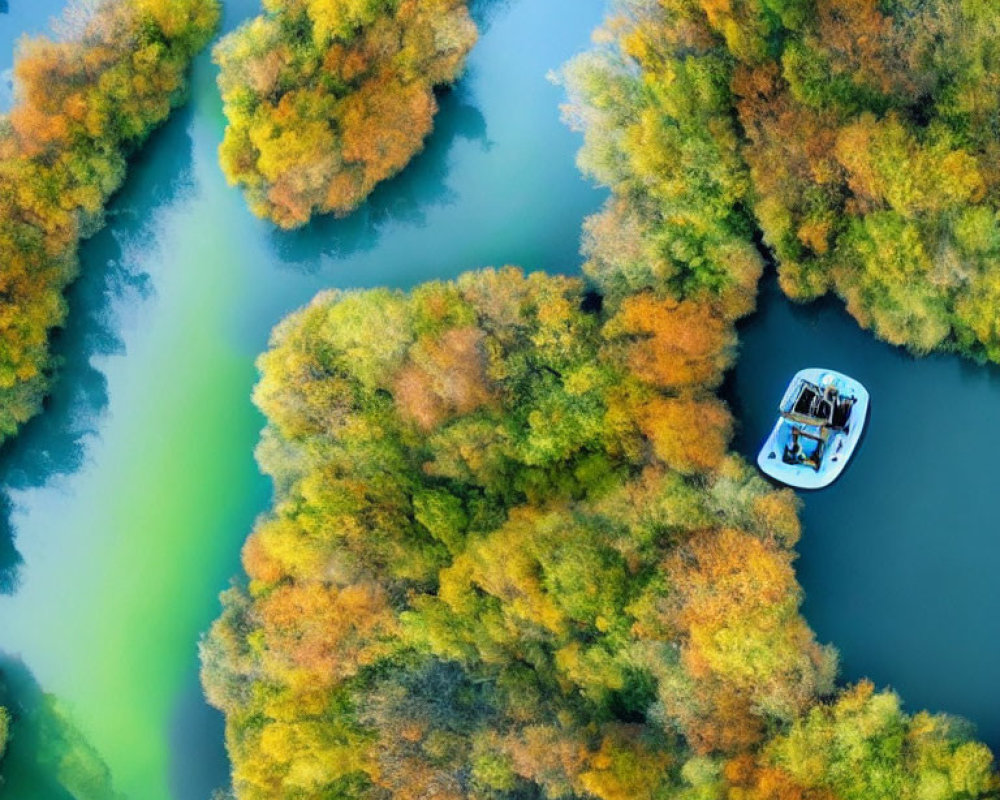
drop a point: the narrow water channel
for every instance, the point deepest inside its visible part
(126, 503)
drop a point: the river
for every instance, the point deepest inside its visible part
(127, 501)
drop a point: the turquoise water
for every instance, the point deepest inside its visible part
(128, 500)
(899, 557)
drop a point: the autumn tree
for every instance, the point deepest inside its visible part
(328, 98)
(870, 147)
(655, 107)
(864, 746)
(84, 104)
(734, 600)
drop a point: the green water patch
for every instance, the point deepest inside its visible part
(48, 755)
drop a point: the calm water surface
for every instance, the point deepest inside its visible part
(128, 500)
(899, 557)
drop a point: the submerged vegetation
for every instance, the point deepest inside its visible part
(328, 98)
(55, 758)
(510, 555)
(85, 103)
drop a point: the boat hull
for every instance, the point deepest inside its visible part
(839, 448)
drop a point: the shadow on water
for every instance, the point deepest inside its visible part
(483, 12)
(196, 728)
(421, 185)
(10, 558)
(55, 442)
(48, 758)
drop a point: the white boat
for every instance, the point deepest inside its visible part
(821, 418)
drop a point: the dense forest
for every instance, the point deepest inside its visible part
(497, 548)
(84, 104)
(510, 555)
(870, 130)
(860, 136)
(327, 98)
(872, 139)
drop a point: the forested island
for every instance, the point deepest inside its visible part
(510, 555)
(325, 100)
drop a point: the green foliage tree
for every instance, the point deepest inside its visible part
(655, 106)
(5, 721)
(863, 747)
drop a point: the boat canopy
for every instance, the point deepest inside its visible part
(805, 403)
(821, 417)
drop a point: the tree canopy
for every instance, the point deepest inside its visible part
(858, 136)
(328, 98)
(84, 104)
(508, 555)
(872, 137)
